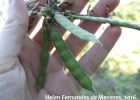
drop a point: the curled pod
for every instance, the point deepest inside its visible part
(71, 63)
(43, 57)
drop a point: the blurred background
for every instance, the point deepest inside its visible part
(119, 74)
(2, 6)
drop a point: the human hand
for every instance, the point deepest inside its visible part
(20, 55)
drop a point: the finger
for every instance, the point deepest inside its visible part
(74, 43)
(14, 29)
(11, 39)
(96, 55)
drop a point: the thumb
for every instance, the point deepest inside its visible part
(14, 29)
(16, 12)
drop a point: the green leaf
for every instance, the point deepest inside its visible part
(76, 30)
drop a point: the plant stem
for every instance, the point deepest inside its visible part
(108, 20)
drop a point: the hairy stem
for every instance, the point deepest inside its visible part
(108, 20)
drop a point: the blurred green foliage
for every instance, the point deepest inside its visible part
(93, 0)
(1, 13)
(130, 12)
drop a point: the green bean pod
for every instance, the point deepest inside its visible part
(71, 63)
(43, 57)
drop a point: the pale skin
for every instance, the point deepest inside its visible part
(19, 55)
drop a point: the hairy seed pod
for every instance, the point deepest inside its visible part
(44, 56)
(71, 63)
(110, 21)
(77, 31)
